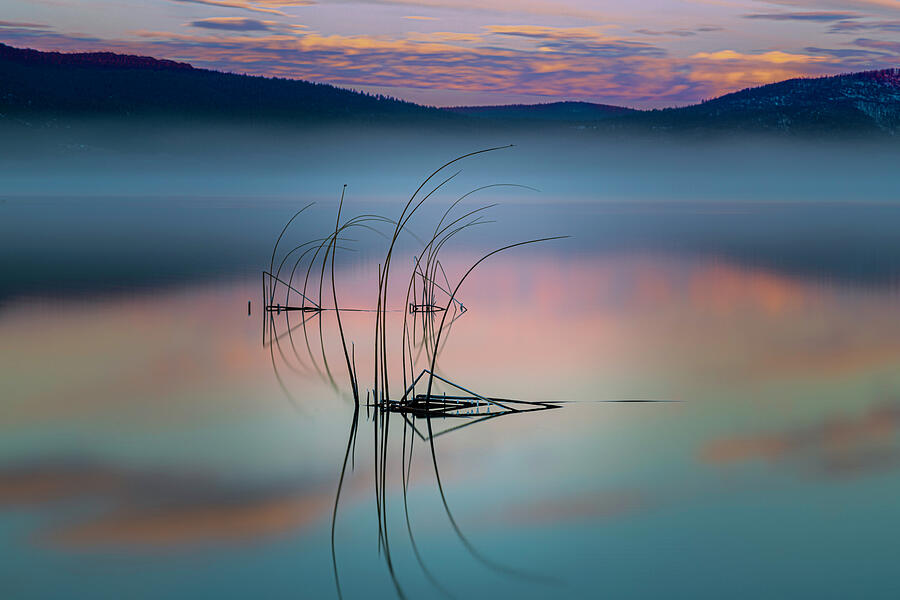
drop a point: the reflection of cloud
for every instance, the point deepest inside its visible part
(838, 446)
(167, 359)
(726, 290)
(214, 521)
(163, 507)
(47, 482)
(711, 322)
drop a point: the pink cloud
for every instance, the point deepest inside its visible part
(586, 63)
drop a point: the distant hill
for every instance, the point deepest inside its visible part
(552, 111)
(50, 86)
(858, 103)
(862, 103)
(54, 84)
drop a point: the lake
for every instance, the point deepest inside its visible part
(725, 366)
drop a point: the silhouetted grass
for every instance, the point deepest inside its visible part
(421, 313)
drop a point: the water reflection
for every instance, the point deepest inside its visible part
(424, 332)
(148, 449)
(150, 508)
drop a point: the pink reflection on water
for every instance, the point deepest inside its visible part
(538, 328)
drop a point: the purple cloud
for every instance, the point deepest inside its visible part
(883, 45)
(820, 16)
(233, 24)
(17, 25)
(852, 26)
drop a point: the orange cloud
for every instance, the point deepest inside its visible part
(588, 63)
(725, 71)
(775, 57)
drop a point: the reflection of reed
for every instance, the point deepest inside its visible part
(433, 309)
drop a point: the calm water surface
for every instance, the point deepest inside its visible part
(148, 450)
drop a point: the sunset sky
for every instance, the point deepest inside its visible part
(644, 54)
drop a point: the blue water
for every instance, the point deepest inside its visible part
(147, 449)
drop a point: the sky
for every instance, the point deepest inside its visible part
(647, 54)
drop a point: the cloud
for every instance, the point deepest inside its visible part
(847, 53)
(543, 8)
(679, 32)
(578, 41)
(819, 16)
(675, 32)
(585, 63)
(883, 45)
(18, 25)
(48, 39)
(853, 26)
(578, 62)
(233, 24)
(725, 71)
(263, 6)
(872, 5)
(774, 57)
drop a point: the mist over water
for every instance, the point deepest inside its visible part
(147, 449)
(133, 199)
(148, 158)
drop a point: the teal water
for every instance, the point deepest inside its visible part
(147, 449)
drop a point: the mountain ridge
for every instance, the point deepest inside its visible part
(108, 59)
(865, 101)
(51, 85)
(549, 111)
(56, 84)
